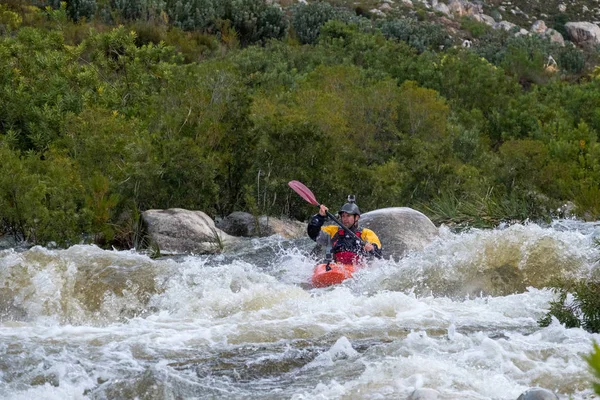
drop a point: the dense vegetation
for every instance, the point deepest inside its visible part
(577, 305)
(111, 108)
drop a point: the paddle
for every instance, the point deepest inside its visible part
(307, 195)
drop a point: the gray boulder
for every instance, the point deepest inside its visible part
(245, 224)
(555, 36)
(583, 33)
(424, 394)
(505, 25)
(490, 21)
(539, 26)
(400, 229)
(237, 224)
(443, 8)
(385, 7)
(179, 231)
(537, 394)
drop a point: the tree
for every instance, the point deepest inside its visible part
(422, 112)
(521, 162)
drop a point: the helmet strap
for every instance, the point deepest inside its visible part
(355, 224)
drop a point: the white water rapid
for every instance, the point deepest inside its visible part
(459, 318)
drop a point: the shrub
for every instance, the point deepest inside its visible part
(558, 22)
(194, 46)
(39, 85)
(147, 33)
(21, 194)
(255, 21)
(334, 31)
(420, 35)
(521, 162)
(571, 59)
(112, 50)
(477, 29)
(578, 305)
(145, 10)
(9, 20)
(422, 112)
(307, 19)
(492, 45)
(526, 57)
(40, 200)
(79, 9)
(587, 200)
(195, 14)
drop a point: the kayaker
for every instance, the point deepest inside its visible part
(345, 245)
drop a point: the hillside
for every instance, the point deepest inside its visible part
(111, 109)
(522, 13)
(570, 22)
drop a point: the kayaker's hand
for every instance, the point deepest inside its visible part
(323, 210)
(369, 247)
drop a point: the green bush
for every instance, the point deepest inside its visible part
(558, 21)
(526, 58)
(9, 20)
(469, 82)
(422, 112)
(147, 33)
(255, 21)
(39, 85)
(587, 200)
(21, 196)
(81, 9)
(196, 14)
(338, 31)
(140, 10)
(521, 161)
(420, 35)
(492, 45)
(476, 28)
(581, 309)
(41, 200)
(195, 46)
(307, 19)
(571, 59)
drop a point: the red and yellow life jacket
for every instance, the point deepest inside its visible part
(346, 246)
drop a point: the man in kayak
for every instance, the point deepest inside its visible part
(345, 243)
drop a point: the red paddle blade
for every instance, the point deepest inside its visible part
(304, 192)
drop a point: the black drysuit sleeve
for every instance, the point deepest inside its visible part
(314, 226)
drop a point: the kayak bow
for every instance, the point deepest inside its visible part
(331, 274)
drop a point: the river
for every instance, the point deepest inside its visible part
(459, 317)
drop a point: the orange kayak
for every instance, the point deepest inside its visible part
(336, 273)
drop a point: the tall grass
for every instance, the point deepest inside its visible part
(483, 211)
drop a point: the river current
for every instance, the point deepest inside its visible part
(460, 317)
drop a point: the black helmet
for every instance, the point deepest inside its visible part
(350, 207)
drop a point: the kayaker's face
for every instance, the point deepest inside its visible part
(348, 219)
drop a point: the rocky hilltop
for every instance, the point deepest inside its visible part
(560, 20)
